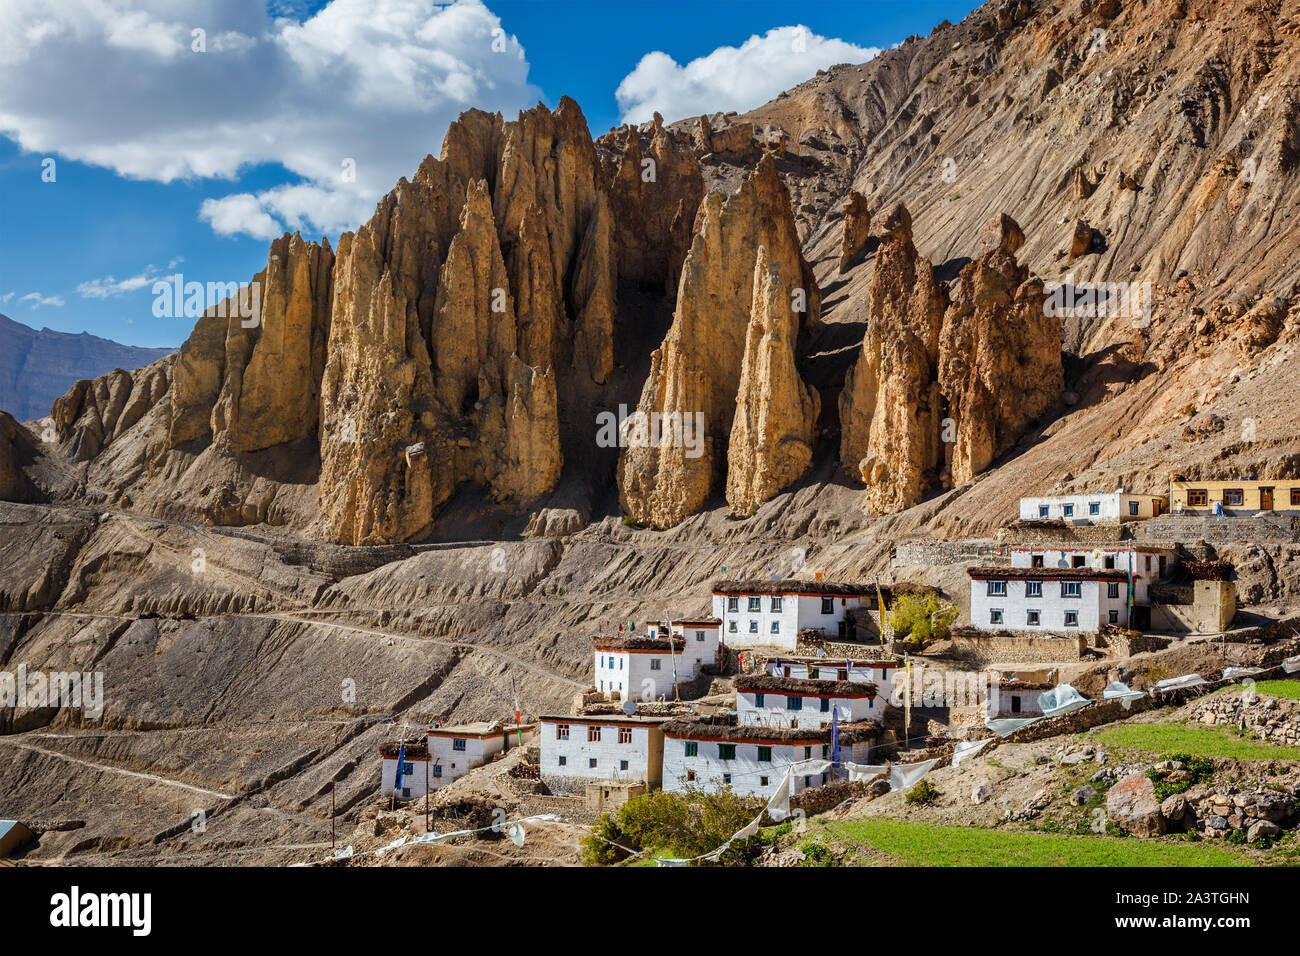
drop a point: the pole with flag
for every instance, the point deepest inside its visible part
(835, 738)
(884, 611)
(907, 702)
(519, 724)
(668, 622)
(397, 779)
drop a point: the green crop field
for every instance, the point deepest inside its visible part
(921, 844)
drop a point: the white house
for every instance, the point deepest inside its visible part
(772, 613)
(415, 770)
(884, 674)
(1109, 507)
(1009, 697)
(763, 700)
(707, 754)
(642, 667)
(577, 749)
(1048, 600)
(1148, 564)
(458, 749)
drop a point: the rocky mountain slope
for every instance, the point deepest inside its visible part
(36, 367)
(405, 478)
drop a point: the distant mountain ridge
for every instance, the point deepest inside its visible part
(36, 367)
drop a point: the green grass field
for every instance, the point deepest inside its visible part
(920, 844)
(1197, 741)
(1273, 688)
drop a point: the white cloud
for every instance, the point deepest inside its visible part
(110, 287)
(239, 214)
(37, 300)
(731, 78)
(117, 83)
(7, 297)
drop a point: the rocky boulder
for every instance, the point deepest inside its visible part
(1132, 806)
(891, 402)
(775, 425)
(695, 375)
(1000, 355)
(857, 229)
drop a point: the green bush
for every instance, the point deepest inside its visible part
(1199, 768)
(679, 825)
(921, 618)
(923, 792)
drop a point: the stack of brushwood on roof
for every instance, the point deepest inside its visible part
(1207, 570)
(797, 685)
(725, 727)
(414, 748)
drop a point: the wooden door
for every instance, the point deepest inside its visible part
(1266, 499)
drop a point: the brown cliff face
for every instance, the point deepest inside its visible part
(15, 449)
(95, 411)
(477, 343)
(656, 191)
(890, 406)
(1000, 354)
(696, 372)
(249, 374)
(772, 435)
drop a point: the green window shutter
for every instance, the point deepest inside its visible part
(692, 748)
(764, 754)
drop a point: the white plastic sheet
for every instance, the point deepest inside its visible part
(1120, 691)
(1003, 726)
(907, 775)
(866, 771)
(967, 749)
(1232, 673)
(1291, 664)
(1061, 699)
(1179, 683)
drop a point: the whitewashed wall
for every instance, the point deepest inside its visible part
(1111, 507)
(745, 628)
(883, 677)
(1093, 606)
(776, 712)
(748, 776)
(643, 755)
(413, 783)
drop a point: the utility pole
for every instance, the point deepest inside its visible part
(333, 841)
(426, 795)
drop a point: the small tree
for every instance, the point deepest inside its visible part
(921, 618)
(681, 825)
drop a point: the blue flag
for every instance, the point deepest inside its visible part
(835, 738)
(401, 759)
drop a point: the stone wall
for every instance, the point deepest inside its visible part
(1271, 718)
(1224, 530)
(938, 553)
(1004, 647)
(809, 646)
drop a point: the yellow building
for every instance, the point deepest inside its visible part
(1240, 497)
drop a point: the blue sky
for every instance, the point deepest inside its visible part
(166, 161)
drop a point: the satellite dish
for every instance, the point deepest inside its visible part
(629, 708)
